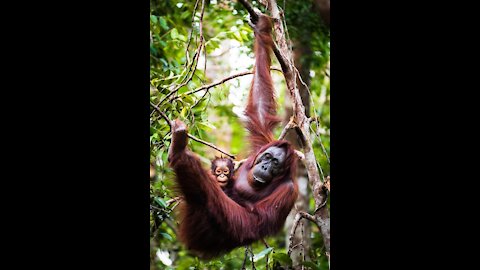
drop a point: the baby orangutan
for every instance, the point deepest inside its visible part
(222, 170)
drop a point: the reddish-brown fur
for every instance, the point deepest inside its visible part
(213, 223)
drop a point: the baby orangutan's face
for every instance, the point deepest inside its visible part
(222, 173)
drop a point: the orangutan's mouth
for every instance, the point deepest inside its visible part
(258, 179)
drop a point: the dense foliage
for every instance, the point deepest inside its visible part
(212, 115)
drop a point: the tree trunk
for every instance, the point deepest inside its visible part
(302, 59)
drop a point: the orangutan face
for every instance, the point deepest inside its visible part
(222, 171)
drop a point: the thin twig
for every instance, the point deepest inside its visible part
(198, 100)
(194, 63)
(239, 163)
(251, 11)
(205, 57)
(265, 243)
(208, 86)
(168, 203)
(164, 116)
(170, 224)
(191, 32)
(297, 245)
(322, 205)
(320, 170)
(301, 80)
(291, 124)
(280, 58)
(296, 219)
(295, 223)
(316, 118)
(321, 143)
(156, 208)
(303, 246)
(175, 205)
(245, 258)
(190, 135)
(266, 257)
(211, 145)
(176, 199)
(309, 217)
(252, 255)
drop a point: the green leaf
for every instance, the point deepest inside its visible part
(238, 36)
(156, 30)
(212, 41)
(174, 33)
(164, 62)
(163, 23)
(182, 37)
(184, 112)
(188, 99)
(159, 158)
(246, 28)
(167, 236)
(153, 18)
(244, 35)
(161, 202)
(311, 265)
(185, 14)
(212, 46)
(283, 258)
(262, 254)
(153, 50)
(206, 126)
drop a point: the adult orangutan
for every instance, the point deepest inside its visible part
(264, 189)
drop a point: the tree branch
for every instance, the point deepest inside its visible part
(245, 258)
(208, 86)
(291, 124)
(251, 11)
(194, 63)
(276, 50)
(280, 58)
(323, 216)
(211, 145)
(176, 199)
(316, 119)
(191, 32)
(252, 255)
(321, 143)
(296, 221)
(162, 114)
(190, 135)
